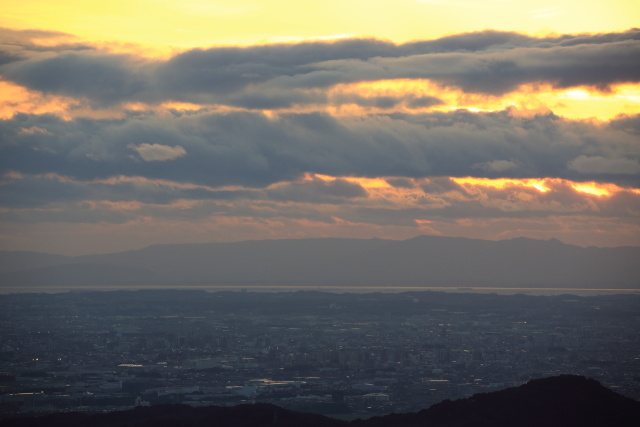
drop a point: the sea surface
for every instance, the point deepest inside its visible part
(336, 289)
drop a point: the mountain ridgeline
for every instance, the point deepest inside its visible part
(561, 401)
(421, 261)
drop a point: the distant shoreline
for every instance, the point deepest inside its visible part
(329, 288)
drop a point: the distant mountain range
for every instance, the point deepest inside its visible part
(421, 261)
(561, 401)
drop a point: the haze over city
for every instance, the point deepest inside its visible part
(130, 124)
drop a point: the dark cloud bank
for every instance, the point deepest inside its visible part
(276, 76)
(253, 150)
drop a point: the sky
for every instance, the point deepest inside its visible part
(127, 124)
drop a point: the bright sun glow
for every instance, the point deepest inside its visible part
(543, 185)
(579, 103)
(594, 188)
(501, 183)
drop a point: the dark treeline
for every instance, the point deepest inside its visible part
(552, 402)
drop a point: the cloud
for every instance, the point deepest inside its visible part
(34, 130)
(400, 182)
(440, 185)
(102, 78)
(441, 203)
(281, 75)
(497, 165)
(17, 45)
(603, 165)
(31, 191)
(158, 152)
(314, 207)
(316, 191)
(9, 36)
(423, 102)
(500, 72)
(251, 149)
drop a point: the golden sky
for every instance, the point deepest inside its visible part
(131, 123)
(202, 23)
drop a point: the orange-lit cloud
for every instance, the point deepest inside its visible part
(423, 95)
(402, 96)
(478, 208)
(16, 99)
(501, 183)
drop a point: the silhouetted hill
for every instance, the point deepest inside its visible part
(169, 415)
(422, 261)
(563, 401)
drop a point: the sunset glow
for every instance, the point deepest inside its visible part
(501, 183)
(197, 23)
(595, 189)
(126, 124)
(582, 103)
